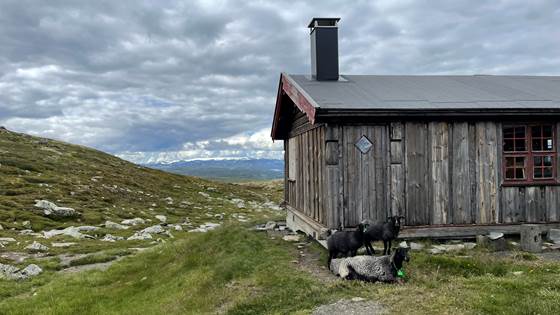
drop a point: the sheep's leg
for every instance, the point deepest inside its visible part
(386, 245)
(370, 249)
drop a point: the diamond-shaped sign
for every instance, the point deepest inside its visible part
(364, 145)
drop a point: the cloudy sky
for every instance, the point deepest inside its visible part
(167, 80)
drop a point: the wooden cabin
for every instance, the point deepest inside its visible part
(456, 155)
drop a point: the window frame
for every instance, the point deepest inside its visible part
(529, 155)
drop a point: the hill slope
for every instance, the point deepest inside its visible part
(226, 170)
(100, 186)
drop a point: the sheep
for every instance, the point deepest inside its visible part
(345, 242)
(386, 232)
(370, 268)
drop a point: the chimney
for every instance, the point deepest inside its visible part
(324, 48)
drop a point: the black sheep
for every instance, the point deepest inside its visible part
(386, 232)
(345, 242)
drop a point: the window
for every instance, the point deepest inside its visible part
(529, 154)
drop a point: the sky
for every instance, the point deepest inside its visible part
(171, 80)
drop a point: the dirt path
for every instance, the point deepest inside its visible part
(355, 306)
(310, 261)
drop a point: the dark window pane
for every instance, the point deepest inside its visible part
(510, 173)
(520, 161)
(548, 172)
(547, 160)
(537, 161)
(519, 173)
(537, 172)
(547, 131)
(508, 145)
(536, 131)
(520, 132)
(510, 162)
(508, 132)
(519, 145)
(537, 145)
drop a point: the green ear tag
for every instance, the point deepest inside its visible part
(400, 273)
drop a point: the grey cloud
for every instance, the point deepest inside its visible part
(155, 78)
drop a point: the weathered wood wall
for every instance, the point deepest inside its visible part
(431, 172)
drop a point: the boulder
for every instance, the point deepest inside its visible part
(270, 225)
(416, 246)
(14, 273)
(111, 238)
(37, 247)
(87, 228)
(30, 271)
(155, 229)
(115, 226)
(134, 221)
(52, 210)
(161, 218)
(69, 231)
(531, 240)
(140, 236)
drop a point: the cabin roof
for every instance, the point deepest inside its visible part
(432, 92)
(419, 95)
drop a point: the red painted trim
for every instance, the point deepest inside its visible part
(277, 109)
(297, 97)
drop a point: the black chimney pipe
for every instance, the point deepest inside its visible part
(324, 48)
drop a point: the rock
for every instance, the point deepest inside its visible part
(87, 228)
(63, 245)
(140, 236)
(403, 244)
(69, 231)
(52, 210)
(517, 273)
(115, 226)
(531, 240)
(1, 227)
(7, 239)
(26, 224)
(469, 245)
(155, 229)
(495, 235)
(270, 225)
(177, 227)
(29, 232)
(30, 271)
(204, 194)
(219, 216)
(37, 247)
(416, 246)
(435, 251)
(14, 273)
(135, 221)
(169, 200)
(358, 299)
(111, 238)
(291, 238)
(553, 235)
(208, 226)
(161, 218)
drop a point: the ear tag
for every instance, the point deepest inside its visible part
(400, 273)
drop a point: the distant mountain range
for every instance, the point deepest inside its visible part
(243, 169)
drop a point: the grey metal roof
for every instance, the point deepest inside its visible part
(432, 92)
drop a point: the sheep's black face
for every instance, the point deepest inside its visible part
(403, 252)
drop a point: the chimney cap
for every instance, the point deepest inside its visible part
(323, 22)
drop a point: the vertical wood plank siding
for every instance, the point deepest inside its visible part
(431, 172)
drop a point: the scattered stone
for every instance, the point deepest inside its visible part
(291, 238)
(6, 240)
(270, 225)
(553, 235)
(29, 232)
(155, 229)
(204, 194)
(63, 245)
(495, 235)
(135, 221)
(358, 299)
(13, 273)
(517, 273)
(169, 200)
(219, 216)
(208, 226)
(37, 247)
(52, 210)
(1, 227)
(515, 244)
(111, 238)
(271, 205)
(161, 218)
(469, 245)
(435, 251)
(140, 236)
(15, 256)
(177, 227)
(69, 231)
(87, 228)
(26, 224)
(115, 226)
(416, 246)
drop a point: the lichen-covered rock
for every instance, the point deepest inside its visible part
(135, 221)
(115, 226)
(69, 231)
(52, 210)
(37, 247)
(140, 236)
(161, 218)
(13, 273)
(155, 229)
(112, 238)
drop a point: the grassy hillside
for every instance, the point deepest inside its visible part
(230, 270)
(102, 187)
